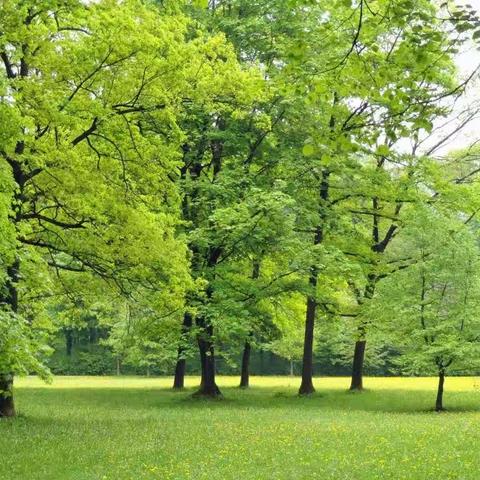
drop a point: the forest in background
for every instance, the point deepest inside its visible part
(205, 184)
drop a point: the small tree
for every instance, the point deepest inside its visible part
(432, 308)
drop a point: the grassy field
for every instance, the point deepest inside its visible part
(92, 428)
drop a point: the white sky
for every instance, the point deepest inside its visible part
(467, 61)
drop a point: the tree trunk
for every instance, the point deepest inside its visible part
(357, 367)
(7, 407)
(360, 344)
(68, 342)
(208, 386)
(441, 382)
(118, 366)
(10, 300)
(291, 368)
(245, 374)
(306, 387)
(92, 335)
(262, 361)
(203, 362)
(179, 379)
(245, 377)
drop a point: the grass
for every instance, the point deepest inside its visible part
(94, 428)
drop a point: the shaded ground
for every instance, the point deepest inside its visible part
(93, 428)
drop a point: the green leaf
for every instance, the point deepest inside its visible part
(383, 150)
(200, 3)
(308, 150)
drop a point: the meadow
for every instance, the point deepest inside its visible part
(129, 428)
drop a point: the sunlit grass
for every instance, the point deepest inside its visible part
(87, 428)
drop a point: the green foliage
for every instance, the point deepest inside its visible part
(435, 302)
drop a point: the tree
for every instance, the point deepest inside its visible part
(339, 107)
(92, 102)
(436, 308)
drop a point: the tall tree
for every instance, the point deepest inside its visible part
(92, 102)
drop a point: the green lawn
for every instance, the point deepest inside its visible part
(87, 428)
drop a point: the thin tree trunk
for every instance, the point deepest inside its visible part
(203, 363)
(118, 366)
(357, 367)
(360, 344)
(245, 374)
(291, 368)
(68, 341)
(179, 379)
(92, 335)
(306, 387)
(245, 377)
(441, 382)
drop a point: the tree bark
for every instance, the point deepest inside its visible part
(360, 344)
(245, 377)
(245, 374)
(7, 406)
(208, 386)
(291, 368)
(357, 367)
(306, 387)
(9, 300)
(179, 378)
(441, 382)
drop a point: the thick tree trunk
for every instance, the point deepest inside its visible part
(441, 382)
(306, 387)
(357, 367)
(208, 386)
(7, 407)
(10, 300)
(179, 379)
(245, 376)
